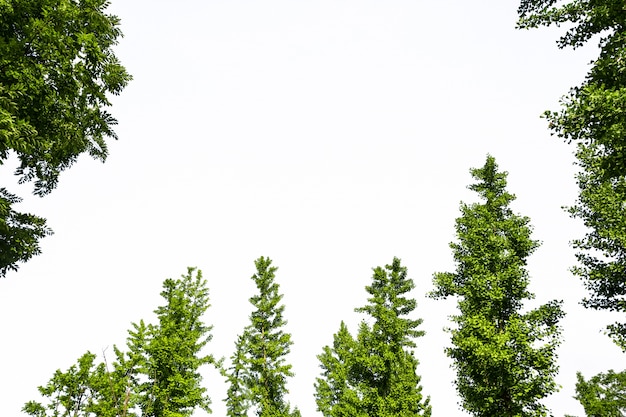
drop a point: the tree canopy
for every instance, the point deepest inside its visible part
(57, 68)
(593, 112)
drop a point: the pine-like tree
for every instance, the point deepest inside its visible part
(374, 375)
(259, 372)
(505, 359)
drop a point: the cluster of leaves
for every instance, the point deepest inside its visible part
(374, 374)
(594, 113)
(602, 251)
(19, 233)
(505, 358)
(603, 395)
(56, 69)
(158, 374)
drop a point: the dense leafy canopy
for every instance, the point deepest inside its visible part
(593, 115)
(57, 67)
(505, 359)
(375, 374)
(158, 375)
(258, 374)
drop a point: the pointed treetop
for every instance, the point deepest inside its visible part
(491, 185)
(388, 304)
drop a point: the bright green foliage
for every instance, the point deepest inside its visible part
(157, 377)
(336, 390)
(374, 375)
(19, 233)
(56, 69)
(594, 115)
(505, 359)
(604, 395)
(169, 352)
(595, 111)
(236, 402)
(84, 389)
(602, 252)
(259, 372)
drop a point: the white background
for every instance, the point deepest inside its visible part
(329, 135)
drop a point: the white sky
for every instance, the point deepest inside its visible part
(329, 135)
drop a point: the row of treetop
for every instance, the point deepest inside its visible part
(505, 357)
(57, 71)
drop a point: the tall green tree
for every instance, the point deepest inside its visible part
(57, 68)
(258, 375)
(170, 353)
(505, 358)
(374, 374)
(158, 376)
(593, 115)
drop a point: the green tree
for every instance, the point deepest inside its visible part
(57, 67)
(169, 354)
(505, 359)
(157, 377)
(604, 395)
(375, 375)
(593, 115)
(259, 372)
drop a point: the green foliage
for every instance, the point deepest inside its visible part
(505, 359)
(56, 69)
(85, 389)
(19, 233)
(237, 403)
(594, 115)
(375, 374)
(158, 375)
(602, 251)
(258, 375)
(604, 395)
(168, 354)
